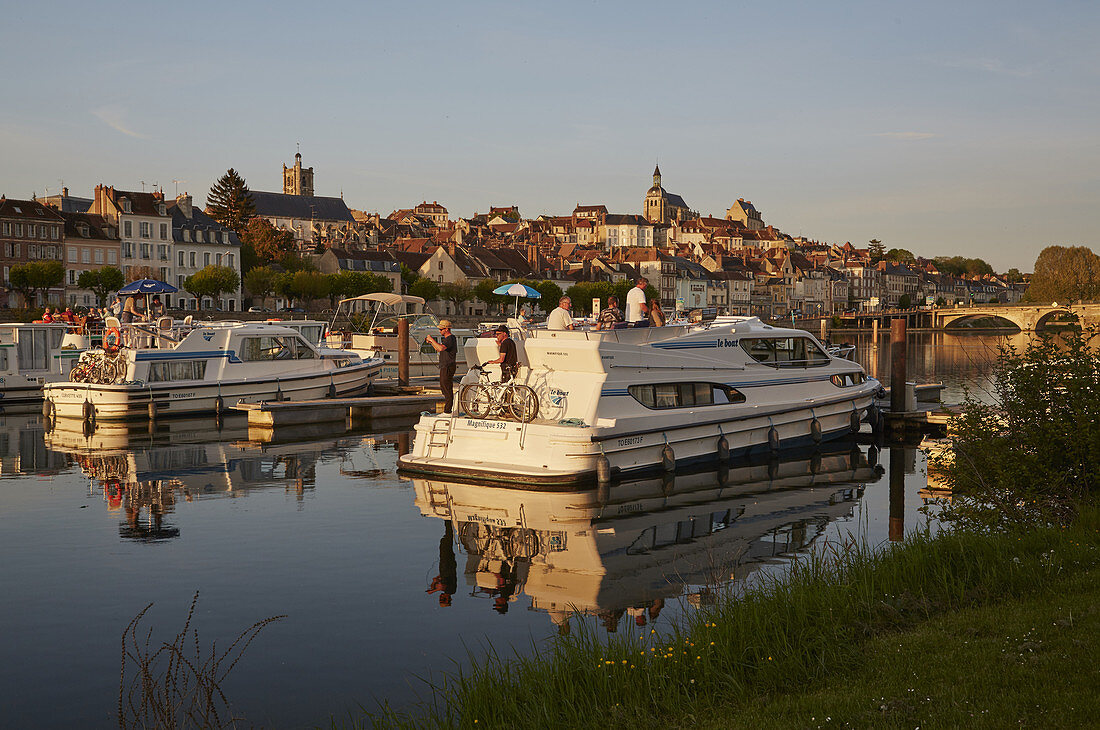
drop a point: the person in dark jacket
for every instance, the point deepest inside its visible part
(447, 347)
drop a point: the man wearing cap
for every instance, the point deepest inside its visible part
(508, 359)
(447, 347)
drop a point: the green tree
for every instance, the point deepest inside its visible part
(876, 249)
(347, 284)
(425, 288)
(212, 281)
(483, 291)
(962, 266)
(101, 282)
(1065, 274)
(900, 255)
(31, 278)
(456, 292)
(1013, 276)
(310, 285)
(230, 203)
(263, 244)
(550, 292)
(260, 282)
(905, 301)
(408, 276)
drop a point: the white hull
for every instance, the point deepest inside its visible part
(122, 402)
(594, 423)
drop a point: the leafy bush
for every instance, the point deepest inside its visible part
(1033, 455)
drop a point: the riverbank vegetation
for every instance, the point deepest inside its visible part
(992, 621)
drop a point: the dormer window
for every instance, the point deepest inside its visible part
(83, 229)
(160, 208)
(125, 202)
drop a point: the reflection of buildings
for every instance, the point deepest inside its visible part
(143, 475)
(645, 541)
(22, 449)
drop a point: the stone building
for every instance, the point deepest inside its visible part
(29, 231)
(661, 206)
(745, 213)
(199, 241)
(91, 242)
(296, 180)
(144, 227)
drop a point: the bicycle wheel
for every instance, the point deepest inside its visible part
(475, 400)
(522, 402)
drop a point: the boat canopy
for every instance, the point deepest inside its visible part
(387, 298)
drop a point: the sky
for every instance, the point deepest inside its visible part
(956, 129)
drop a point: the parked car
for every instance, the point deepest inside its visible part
(259, 310)
(297, 310)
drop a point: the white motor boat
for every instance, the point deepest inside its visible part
(31, 355)
(204, 368)
(367, 325)
(625, 401)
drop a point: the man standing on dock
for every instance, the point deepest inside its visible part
(447, 347)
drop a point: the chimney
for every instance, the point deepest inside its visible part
(533, 257)
(451, 248)
(64, 192)
(183, 202)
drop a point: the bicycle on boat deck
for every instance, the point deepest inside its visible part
(487, 399)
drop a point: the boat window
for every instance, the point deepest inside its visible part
(785, 352)
(845, 380)
(162, 372)
(304, 351)
(3, 358)
(34, 352)
(278, 347)
(683, 395)
(311, 332)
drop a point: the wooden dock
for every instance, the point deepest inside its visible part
(271, 414)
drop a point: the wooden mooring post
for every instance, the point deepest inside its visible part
(402, 352)
(898, 365)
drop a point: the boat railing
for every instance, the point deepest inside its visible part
(626, 335)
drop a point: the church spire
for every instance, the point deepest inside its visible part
(656, 176)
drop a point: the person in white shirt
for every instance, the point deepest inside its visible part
(560, 318)
(636, 309)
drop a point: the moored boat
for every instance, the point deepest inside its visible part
(178, 368)
(31, 355)
(625, 401)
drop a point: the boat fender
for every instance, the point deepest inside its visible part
(331, 389)
(854, 420)
(773, 468)
(48, 408)
(603, 470)
(89, 412)
(853, 458)
(723, 449)
(603, 493)
(278, 390)
(872, 456)
(152, 410)
(219, 406)
(111, 339)
(773, 438)
(668, 458)
(815, 430)
(815, 463)
(723, 474)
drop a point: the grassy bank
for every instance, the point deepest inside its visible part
(858, 637)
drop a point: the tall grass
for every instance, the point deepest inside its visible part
(175, 684)
(781, 633)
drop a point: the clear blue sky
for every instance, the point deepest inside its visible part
(962, 128)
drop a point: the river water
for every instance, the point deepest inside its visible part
(383, 581)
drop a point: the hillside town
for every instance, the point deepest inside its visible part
(738, 263)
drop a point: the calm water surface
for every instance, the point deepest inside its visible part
(383, 580)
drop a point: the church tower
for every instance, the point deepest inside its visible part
(297, 181)
(656, 176)
(655, 209)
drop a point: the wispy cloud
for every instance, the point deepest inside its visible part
(114, 117)
(906, 135)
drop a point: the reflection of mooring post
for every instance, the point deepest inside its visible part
(897, 493)
(874, 332)
(402, 443)
(402, 351)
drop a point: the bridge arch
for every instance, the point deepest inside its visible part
(957, 322)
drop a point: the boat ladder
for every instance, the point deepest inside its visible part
(439, 437)
(437, 496)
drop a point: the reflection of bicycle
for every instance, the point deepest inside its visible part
(509, 543)
(485, 399)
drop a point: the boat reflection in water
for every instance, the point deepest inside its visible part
(626, 550)
(23, 451)
(143, 472)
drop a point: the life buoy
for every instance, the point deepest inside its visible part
(111, 339)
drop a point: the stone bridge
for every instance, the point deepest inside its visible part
(1027, 317)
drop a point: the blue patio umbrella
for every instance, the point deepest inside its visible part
(517, 290)
(147, 286)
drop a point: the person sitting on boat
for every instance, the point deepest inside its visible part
(156, 309)
(561, 318)
(508, 360)
(67, 316)
(47, 318)
(610, 315)
(656, 314)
